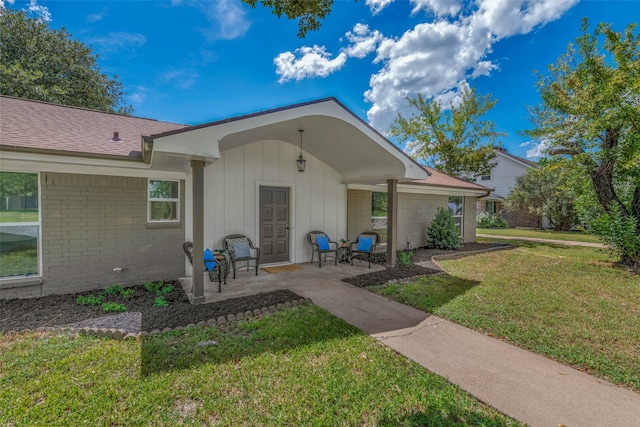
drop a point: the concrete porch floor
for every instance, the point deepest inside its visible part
(247, 283)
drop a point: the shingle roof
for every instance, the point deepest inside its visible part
(44, 126)
(441, 179)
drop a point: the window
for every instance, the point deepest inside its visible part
(164, 201)
(379, 203)
(456, 208)
(490, 206)
(486, 177)
(19, 224)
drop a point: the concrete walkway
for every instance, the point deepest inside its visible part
(552, 241)
(525, 386)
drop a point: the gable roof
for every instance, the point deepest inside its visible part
(27, 125)
(503, 152)
(440, 179)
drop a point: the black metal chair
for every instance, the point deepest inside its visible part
(331, 246)
(241, 249)
(217, 274)
(359, 249)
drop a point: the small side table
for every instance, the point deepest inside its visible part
(221, 258)
(343, 254)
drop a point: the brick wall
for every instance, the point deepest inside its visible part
(469, 232)
(92, 224)
(415, 212)
(358, 213)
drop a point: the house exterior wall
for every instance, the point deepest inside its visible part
(503, 175)
(415, 213)
(92, 224)
(318, 200)
(358, 213)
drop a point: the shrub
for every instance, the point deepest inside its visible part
(619, 234)
(113, 290)
(405, 257)
(90, 299)
(158, 288)
(443, 233)
(490, 220)
(113, 307)
(160, 302)
(127, 293)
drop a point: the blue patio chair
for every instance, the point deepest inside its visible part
(364, 247)
(321, 244)
(216, 267)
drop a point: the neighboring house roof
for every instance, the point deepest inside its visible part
(28, 125)
(503, 152)
(441, 179)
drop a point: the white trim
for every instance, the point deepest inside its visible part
(82, 166)
(292, 215)
(418, 189)
(173, 200)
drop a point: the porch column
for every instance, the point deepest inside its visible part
(197, 174)
(392, 221)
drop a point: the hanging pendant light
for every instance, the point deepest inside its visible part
(301, 162)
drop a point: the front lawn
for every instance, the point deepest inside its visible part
(300, 366)
(568, 303)
(540, 234)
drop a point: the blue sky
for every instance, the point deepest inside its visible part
(198, 61)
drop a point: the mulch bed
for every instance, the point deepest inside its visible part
(141, 315)
(420, 255)
(63, 310)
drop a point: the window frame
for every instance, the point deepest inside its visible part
(486, 177)
(150, 200)
(461, 215)
(38, 224)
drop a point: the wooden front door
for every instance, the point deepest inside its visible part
(274, 224)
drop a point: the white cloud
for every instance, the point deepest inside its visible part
(506, 18)
(376, 6)
(538, 148)
(40, 13)
(118, 42)
(4, 2)
(315, 61)
(182, 78)
(228, 19)
(95, 17)
(363, 41)
(312, 61)
(438, 7)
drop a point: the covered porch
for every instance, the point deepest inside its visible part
(229, 163)
(247, 283)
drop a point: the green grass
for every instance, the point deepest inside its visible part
(19, 216)
(540, 234)
(571, 304)
(300, 366)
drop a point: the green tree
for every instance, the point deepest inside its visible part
(550, 190)
(308, 12)
(455, 141)
(42, 64)
(590, 111)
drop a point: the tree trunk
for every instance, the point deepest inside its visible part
(602, 178)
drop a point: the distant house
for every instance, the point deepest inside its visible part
(502, 180)
(98, 199)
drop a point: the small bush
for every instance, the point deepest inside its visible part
(443, 233)
(489, 220)
(160, 302)
(619, 234)
(158, 288)
(113, 290)
(127, 293)
(113, 307)
(90, 299)
(405, 258)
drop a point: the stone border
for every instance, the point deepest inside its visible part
(123, 334)
(435, 258)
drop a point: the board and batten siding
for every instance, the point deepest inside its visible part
(317, 196)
